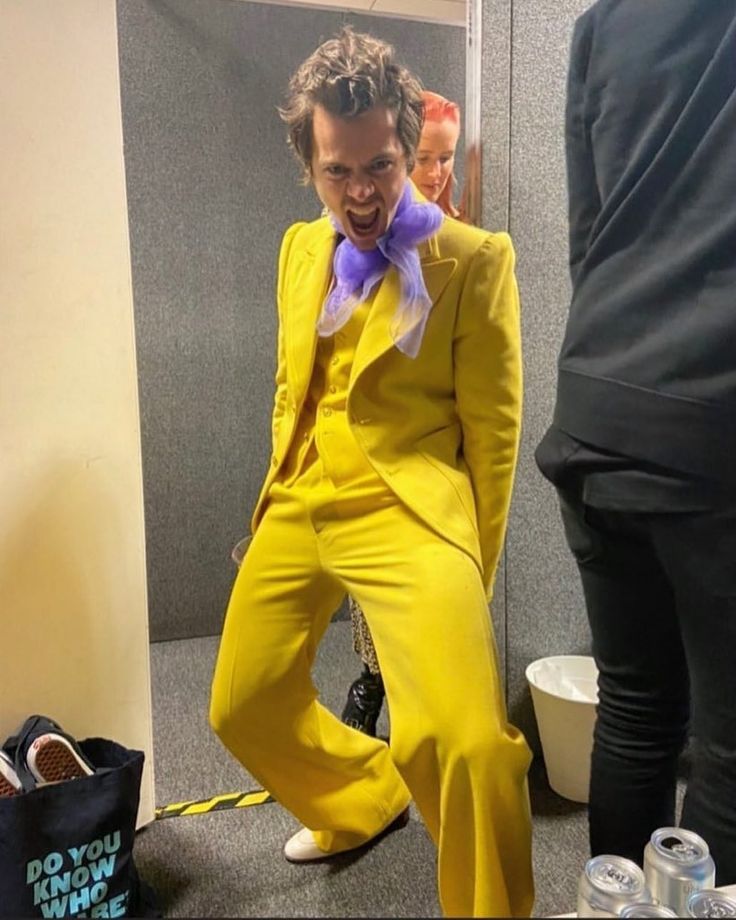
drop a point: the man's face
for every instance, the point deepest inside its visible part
(359, 171)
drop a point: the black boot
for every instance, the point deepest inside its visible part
(363, 706)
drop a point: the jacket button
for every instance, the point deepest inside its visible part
(274, 460)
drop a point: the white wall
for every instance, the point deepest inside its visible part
(73, 615)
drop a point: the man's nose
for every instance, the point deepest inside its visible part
(360, 188)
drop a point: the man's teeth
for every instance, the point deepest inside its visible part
(363, 219)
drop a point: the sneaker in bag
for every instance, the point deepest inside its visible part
(54, 758)
(9, 782)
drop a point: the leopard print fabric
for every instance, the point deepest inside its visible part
(362, 641)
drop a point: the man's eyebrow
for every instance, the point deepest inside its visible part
(333, 161)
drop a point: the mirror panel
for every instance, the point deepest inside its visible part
(211, 188)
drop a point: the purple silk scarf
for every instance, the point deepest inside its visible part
(357, 273)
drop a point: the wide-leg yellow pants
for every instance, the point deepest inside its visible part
(452, 748)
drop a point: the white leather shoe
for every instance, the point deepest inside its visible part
(303, 848)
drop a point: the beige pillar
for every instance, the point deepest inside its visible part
(73, 614)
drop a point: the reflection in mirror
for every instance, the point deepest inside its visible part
(211, 189)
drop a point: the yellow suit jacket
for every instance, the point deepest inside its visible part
(441, 429)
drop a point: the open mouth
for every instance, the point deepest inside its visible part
(364, 224)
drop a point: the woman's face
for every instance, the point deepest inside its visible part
(435, 157)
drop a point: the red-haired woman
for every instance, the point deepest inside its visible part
(433, 171)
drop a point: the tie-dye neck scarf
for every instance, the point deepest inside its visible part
(357, 273)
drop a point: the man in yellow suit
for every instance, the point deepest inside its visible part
(395, 435)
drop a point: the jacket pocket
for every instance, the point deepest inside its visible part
(583, 540)
(459, 482)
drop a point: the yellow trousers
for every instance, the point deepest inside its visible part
(451, 749)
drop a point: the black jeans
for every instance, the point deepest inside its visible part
(660, 591)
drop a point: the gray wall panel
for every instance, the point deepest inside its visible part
(545, 613)
(496, 112)
(211, 189)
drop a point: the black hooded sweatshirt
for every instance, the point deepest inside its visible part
(647, 368)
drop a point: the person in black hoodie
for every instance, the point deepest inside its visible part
(642, 447)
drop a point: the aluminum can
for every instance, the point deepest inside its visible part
(710, 903)
(647, 909)
(677, 863)
(608, 884)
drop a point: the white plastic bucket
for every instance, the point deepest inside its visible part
(564, 692)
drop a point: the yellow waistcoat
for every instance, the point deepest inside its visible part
(323, 430)
(442, 429)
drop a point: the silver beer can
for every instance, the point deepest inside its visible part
(709, 903)
(608, 884)
(676, 864)
(646, 909)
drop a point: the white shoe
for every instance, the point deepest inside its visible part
(302, 847)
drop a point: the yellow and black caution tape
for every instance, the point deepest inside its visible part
(216, 803)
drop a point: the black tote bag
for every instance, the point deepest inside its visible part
(66, 850)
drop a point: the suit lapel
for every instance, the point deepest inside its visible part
(376, 337)
(309, 284)
(310, 281)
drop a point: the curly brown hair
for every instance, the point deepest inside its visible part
(347, 75)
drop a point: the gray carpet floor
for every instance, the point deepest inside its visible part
(229, 863)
